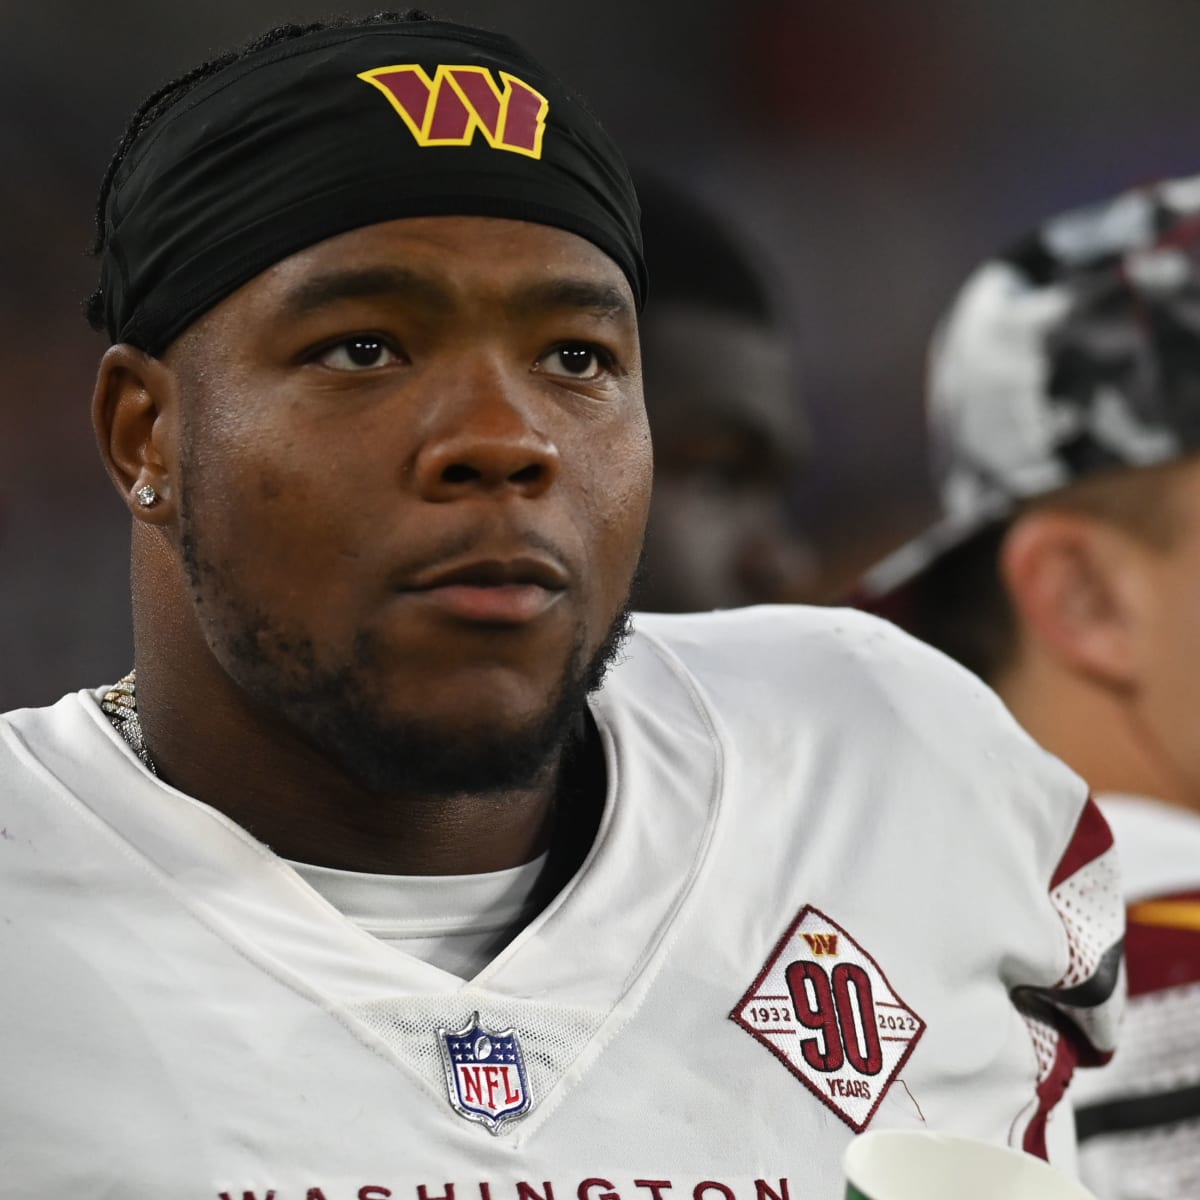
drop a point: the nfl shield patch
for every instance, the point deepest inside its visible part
(485, 1074)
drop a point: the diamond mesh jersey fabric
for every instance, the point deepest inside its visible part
(1139, 1118)
(185, 1016)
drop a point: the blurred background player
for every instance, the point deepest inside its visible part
(1065, 411)
(730, 438)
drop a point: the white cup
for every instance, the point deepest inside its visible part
(896, 1164)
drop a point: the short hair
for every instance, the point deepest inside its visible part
(166, 97)
(961, 606)
(694, 256)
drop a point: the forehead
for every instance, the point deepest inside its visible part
(459, 257)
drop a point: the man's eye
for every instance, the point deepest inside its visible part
(360, 353)
(576, 360)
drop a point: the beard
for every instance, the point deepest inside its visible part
(335, 711)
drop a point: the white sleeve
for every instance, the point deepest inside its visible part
(1075, 1020)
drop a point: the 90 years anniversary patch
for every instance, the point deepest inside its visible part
(823, 1006)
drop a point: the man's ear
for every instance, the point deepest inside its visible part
(135, 416)
(1076, 587)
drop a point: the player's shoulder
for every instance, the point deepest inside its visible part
(845, 657)
(764, 631)
(31, 738)
(797, 677)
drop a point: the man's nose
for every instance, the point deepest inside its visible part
(486, 439)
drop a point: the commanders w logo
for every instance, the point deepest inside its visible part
(458, 102)
(822, 944)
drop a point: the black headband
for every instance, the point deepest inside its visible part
(343, 128)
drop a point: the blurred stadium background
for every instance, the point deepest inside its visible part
(869, 150)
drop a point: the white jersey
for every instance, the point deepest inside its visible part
(1139, 1118)
(834, 888)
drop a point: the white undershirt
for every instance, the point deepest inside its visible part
(456, 922)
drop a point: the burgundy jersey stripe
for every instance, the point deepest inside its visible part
(1162, 943)
(1049, 1093)
(1092, 837)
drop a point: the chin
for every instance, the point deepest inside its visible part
(480, 730)
(430, 756)
(479, 700)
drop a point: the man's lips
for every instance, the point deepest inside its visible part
(505, 603)
(497, 591)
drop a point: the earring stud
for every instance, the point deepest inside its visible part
(147, 497)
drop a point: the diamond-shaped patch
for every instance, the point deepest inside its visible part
(823, 1006)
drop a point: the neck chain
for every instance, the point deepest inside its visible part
(569, 846)
(119, 705)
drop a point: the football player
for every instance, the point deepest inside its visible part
(399, 866)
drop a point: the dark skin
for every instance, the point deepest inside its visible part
(407, 468)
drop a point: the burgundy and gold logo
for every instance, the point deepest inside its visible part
(460, 102)
(823, 1006)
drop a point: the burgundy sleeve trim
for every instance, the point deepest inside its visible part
(1049, 1092)
(1091, 838)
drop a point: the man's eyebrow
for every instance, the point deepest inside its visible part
(365, 284)
(552, 295)
(399, 283)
